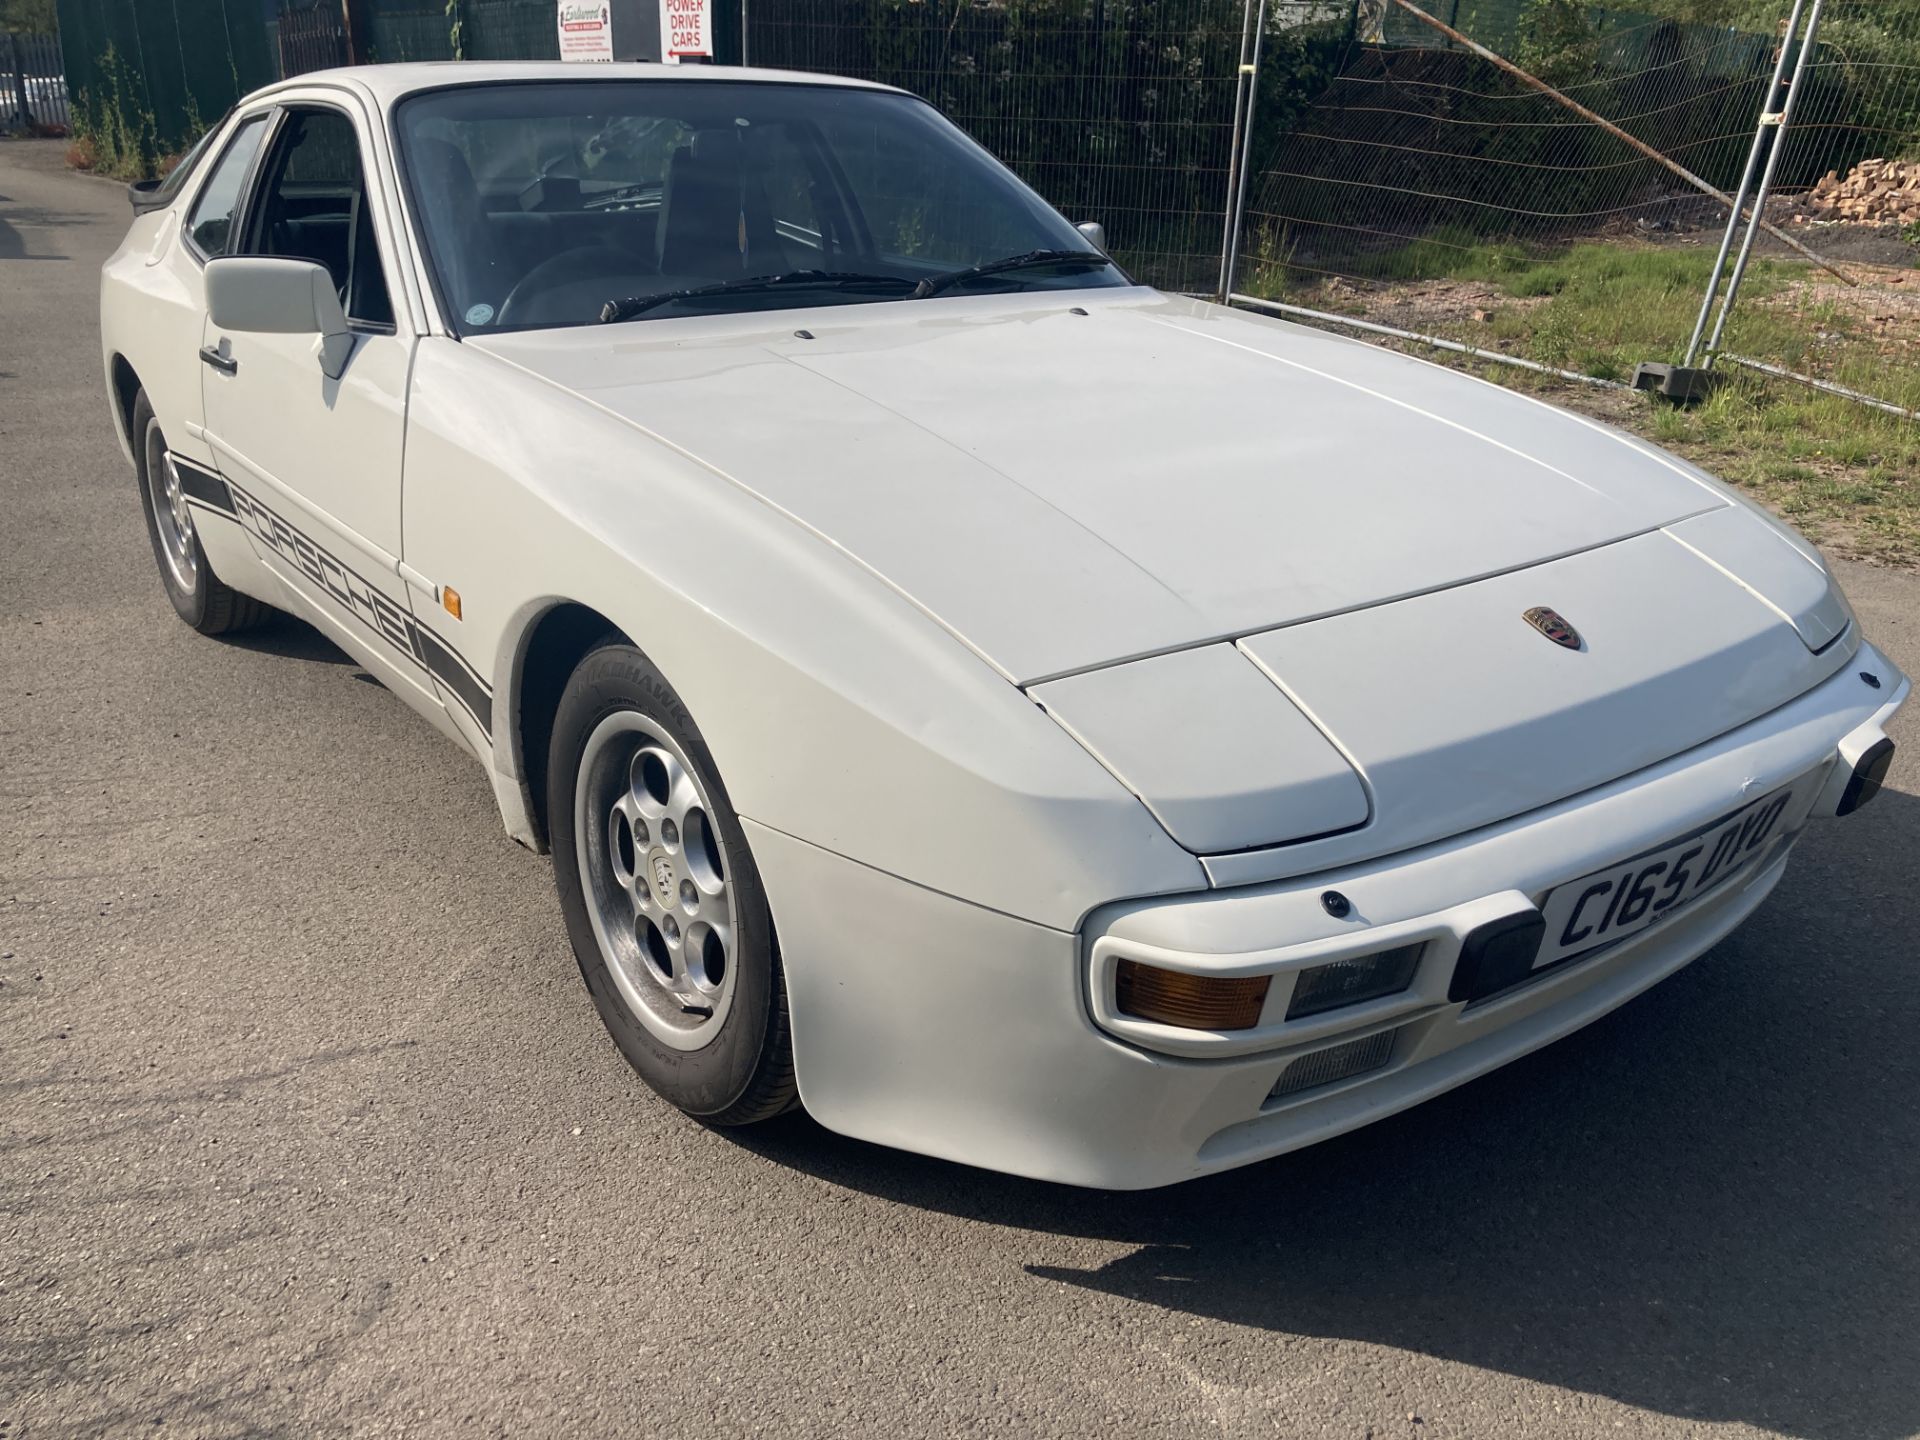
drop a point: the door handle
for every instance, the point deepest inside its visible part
(226, 365)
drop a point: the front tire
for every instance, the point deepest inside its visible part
(663, 904)
(198, 595)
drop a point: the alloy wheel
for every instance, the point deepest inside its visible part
(171, 514)
(655, 880)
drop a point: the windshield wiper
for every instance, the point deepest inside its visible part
(934, 284)
(635, 306)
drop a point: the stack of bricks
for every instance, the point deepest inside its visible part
(1874, 192)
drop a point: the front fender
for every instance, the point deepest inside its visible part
(837, 711)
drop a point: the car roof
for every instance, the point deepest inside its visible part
(388, 83)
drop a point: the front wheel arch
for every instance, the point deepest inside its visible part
(126, 389)
(557, 640)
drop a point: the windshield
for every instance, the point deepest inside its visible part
(550, 204)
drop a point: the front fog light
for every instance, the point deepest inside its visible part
(1336, 1062)
(1348, 982)
(1193, 1002)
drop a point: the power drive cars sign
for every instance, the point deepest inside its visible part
(586, 30)
(686, 30)
(604, 30)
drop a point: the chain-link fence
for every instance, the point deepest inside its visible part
(1400, 175)
(1422, 155)
(1861, 91)
(509, 30)
(1849, 164)
(397, 33)
(1435, 188)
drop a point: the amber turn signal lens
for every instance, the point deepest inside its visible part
(450, 598)
(1193, 1002)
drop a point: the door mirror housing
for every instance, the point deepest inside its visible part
(1096, 232)
(144, 195)
(280, 297)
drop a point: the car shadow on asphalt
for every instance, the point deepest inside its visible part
(1703, 1205)
(19, 244)
(292, 638)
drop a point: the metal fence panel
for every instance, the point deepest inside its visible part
(163, 68)
(509, 30)
(418, 31)
(33, 83)
(1862, 99)
(1856, 119)
(1415, 152)
(311, 37)
(1425, 173)
(224, 52)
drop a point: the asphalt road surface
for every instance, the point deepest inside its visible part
(307, 1126)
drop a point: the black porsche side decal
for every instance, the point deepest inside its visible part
(453, 672)
(394, 626)
(203, 486)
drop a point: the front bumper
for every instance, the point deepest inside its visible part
(936, 1026)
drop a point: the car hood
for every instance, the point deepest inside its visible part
(1070, 479)
(1276, 582)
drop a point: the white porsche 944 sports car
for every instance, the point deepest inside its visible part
(1024, 716)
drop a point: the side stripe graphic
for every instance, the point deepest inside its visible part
(391, 624)
(203, 485)
(457, 676)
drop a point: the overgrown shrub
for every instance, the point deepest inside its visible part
(112, 123)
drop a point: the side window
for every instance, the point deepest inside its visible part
(313, 206)
(210, 223)
(176, 179)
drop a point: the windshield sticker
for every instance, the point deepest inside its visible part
(479, 314)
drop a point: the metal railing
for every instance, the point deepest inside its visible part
(311, 37)
(33, 84)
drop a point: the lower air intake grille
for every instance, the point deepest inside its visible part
(1338, 1062)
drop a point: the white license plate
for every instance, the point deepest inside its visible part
(1609, 905)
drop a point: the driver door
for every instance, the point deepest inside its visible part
(315, 463)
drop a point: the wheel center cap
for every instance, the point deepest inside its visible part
(660, 872)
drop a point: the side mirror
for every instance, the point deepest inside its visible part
(1096, 232)
(143, 196)
(280, 297)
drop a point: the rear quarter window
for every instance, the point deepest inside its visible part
(210, 222)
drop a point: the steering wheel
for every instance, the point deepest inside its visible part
(608, 270)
